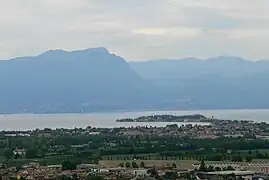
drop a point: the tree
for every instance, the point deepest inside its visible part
(218, 157)
(95, 177)
(31, 153)
(210, 168)
(202, 166)
(249, 158)
(259, 155)
(134, 157)
(174, 176)
(153, 172)
(68, 165)
(75, 176)
(16, 156)
(142, 164)
(174, 165)
(8, 153)
(230, 168)
(2, 166)
(96, 160)
(237, 158)
(127, 165)
(44, 162)
(134, 165)
(65, 177)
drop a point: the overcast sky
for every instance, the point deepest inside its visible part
(137, 29)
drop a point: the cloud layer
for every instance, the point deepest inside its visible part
(136, 29)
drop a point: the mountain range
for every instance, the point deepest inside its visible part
(94, 80)
(215, 83)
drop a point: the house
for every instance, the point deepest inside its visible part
(19, 151)
(88, 166)
(80, 146)
(140, 172)
(31, 165)
(94, 133)
(55, 167)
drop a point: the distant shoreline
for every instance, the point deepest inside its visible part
(169, 118)
(104, 120)
(131, 111)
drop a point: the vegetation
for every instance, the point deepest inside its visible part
(61, 145)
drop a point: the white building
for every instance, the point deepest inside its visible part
(19, 151)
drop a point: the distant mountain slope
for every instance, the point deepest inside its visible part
(215, 83)
(93, 80)
(59, 81)
(191, 67)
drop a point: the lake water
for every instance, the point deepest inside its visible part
(108, 120)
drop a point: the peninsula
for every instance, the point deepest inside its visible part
(168, 118)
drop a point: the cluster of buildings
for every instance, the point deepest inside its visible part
(218, 128)
(259, 167)
(33, 171)
(242, 169)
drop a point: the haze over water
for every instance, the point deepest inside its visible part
(108, 120)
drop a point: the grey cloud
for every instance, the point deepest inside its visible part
(30, 27)
(208, 18)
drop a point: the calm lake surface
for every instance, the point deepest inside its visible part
(108, 120)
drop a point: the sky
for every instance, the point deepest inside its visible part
(137, 29)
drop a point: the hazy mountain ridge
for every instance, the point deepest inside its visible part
(215, 83)
(59, 81)
(93, 80)
(222, 65)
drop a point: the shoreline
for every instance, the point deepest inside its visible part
(71, 120)
(133, 111)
